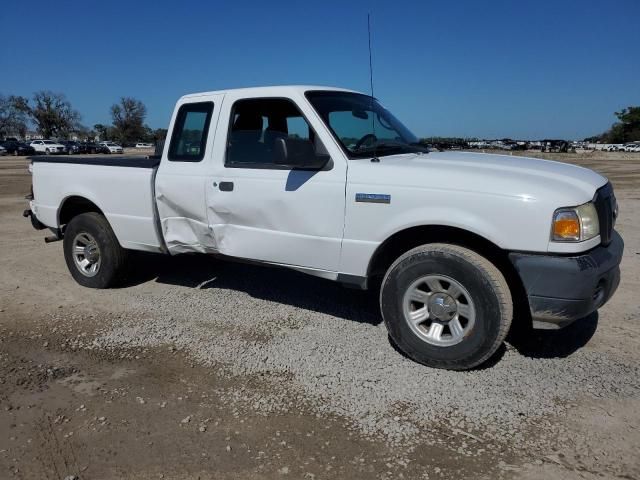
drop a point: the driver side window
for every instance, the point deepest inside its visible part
(259, 125)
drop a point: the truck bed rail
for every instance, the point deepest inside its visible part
(108, 161)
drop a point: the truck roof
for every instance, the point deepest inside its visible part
(271, 90)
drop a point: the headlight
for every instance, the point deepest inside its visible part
(575, 224)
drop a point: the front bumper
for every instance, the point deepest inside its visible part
(562, 289)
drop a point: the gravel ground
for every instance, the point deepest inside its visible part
(341, 359)
(282, 344)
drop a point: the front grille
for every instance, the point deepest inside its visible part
(605, 203)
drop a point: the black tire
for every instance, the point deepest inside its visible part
(488, 291)
(113, 257)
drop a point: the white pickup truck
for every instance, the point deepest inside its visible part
(328, 182)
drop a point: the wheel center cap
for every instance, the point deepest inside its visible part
(442, 306)
(91, 253)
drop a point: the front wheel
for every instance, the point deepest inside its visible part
(92, 252)
(446, 306)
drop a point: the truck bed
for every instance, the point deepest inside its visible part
(121, 187)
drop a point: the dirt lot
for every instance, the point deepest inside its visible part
(199, 368)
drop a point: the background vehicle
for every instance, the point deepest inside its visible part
(614, 148)
(72, 147)
(91, 147)
(144, 145)
(110, 147)
(14, 147)
(3, 151)
(296, 177)
(48, 147)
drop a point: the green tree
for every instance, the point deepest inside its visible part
(128, 119)
(53, 115)
(14, 115)
(629, 123)
(159, 134)
(101, 131)
(627, 129)
(83, 133)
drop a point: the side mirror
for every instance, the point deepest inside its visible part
(298, 153)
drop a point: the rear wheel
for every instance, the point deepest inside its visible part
(446, 306)
(92, 252)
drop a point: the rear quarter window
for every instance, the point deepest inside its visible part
(189, 136)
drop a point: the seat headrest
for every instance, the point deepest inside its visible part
(248, 121)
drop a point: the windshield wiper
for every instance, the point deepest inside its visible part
(386, 148)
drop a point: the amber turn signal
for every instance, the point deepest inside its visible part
(567, 228)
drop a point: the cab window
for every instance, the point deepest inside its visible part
(189, 137)
(257, 125)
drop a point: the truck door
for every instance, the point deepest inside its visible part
(264, 211)
(180, 186)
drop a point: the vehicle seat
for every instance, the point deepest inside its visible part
(270, 136)
(244, 144)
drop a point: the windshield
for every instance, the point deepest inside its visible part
(48, 142)
(363, 127)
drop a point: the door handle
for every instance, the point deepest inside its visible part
(226, 186)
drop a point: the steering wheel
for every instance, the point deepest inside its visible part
(368, 136)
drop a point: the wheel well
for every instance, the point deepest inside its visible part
(403, 241)
(74, 206)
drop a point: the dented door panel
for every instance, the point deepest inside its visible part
(180, 192)
(289, 217)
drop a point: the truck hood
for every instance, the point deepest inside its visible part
(526, 178)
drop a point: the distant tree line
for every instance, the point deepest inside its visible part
(52, 116)
(626, 129)
(453, 141)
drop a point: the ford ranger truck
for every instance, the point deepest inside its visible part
(328, 182)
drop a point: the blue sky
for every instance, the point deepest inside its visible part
(520, 69)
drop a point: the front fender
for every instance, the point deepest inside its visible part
(444, 217)
(509, 222)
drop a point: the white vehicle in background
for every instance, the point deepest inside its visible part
(632, 147)
(48, 147)
(455, 245)
(111, 147)
(144, 145)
